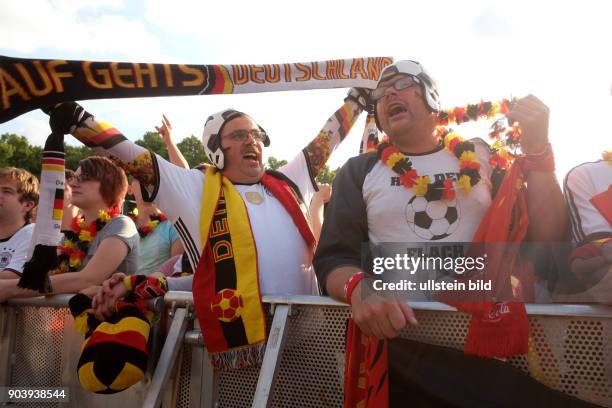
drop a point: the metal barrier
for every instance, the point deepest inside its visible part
(303, 366)
(571, 343)
(40, 347)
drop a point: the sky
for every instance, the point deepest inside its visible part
(481, 49)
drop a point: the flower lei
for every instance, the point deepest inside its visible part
(76, 243)
(149, 227)
(607, 156)
(469, 166)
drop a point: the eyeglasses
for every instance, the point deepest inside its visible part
(243, 135)
(404, 82)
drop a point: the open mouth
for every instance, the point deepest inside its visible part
(396, 109)
(250, 156)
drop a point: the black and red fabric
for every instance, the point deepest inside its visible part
(114, 353)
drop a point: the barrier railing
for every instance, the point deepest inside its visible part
(40, 347)
(303, 366)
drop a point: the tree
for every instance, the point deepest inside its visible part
(153, 142)
(327, 176)
(16, 151)
(275, 164)
(193, 151)
(74, 154)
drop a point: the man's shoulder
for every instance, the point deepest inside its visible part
(585, 169)
(27, 229)
(22, 234)
(589, 175)
(361, 164)
(355, 170)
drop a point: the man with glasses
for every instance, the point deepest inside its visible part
(245, 229)
(374, 201)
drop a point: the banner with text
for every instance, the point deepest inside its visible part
(28, 84)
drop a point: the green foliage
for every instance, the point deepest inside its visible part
(74, 154)
(327, 176)
(274, 163)
(193, 151)
(16, 151)
(153, 142)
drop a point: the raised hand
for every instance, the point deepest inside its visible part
(362, 97)
(532, 115)
(165, 130)
(65, 117)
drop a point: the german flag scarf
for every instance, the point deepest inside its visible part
(47, 233)
(497, 329)
(226, 283)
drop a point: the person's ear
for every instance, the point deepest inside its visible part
(29, 205)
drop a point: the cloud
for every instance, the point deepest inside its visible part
(492, 24)
(477, 49)
(33, 26)
(33, 125)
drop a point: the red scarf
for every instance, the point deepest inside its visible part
(501, 329)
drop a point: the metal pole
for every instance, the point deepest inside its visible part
(271, 362)
(167, 359)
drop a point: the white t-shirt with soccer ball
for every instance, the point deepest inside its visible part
(370, 206)
(396, 214)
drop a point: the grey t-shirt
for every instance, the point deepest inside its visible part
(123, 228)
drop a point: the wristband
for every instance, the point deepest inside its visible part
(544, 160)
(350, 286)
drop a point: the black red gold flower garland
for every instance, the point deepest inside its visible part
(149, 227)
(76, 243)
(469, 167)
(504, 137)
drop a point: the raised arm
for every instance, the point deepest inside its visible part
(317, 208)
(154, 173)
(313, 157)
(72, 118)
(174, 154)
(545, 205)
(334, 131)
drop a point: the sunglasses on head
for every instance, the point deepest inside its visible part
(404, 82)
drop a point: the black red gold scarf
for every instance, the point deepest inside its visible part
(27, 84)
(226, 283)
(47, 233)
